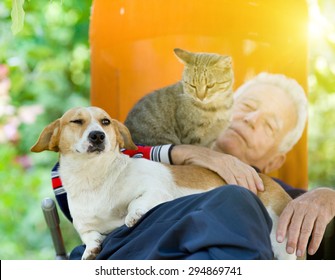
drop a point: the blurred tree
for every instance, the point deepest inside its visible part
(322, 94)
(48, 59)
(47, 64)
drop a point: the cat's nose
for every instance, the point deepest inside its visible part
(201, 95)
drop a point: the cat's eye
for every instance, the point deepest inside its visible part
(77, 121)
(190, 85)
(105, 122)
(210, 86)
(225, 84)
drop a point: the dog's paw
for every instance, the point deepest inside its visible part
(91, 253)
(133, 217)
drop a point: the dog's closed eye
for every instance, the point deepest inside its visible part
(77, 121)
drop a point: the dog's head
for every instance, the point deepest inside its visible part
(84, 130)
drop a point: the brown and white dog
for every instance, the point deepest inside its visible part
(107, 189)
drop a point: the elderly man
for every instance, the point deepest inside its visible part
(269, 117)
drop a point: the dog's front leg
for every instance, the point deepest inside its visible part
(142, 204)
(279, 249)
(92, 240)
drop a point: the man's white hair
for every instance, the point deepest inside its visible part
(295, 92)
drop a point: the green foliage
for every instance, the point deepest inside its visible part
(48, 62)
(321, 135)
(23, 230)
(17, 15)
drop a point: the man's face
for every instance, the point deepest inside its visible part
(262, 116)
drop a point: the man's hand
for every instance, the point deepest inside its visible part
(307, 215)
(231, 169)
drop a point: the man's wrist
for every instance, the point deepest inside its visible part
(178, 154)
(188, 154)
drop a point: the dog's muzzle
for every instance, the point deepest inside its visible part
(97, 141)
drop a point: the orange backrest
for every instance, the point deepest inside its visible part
(132, 46)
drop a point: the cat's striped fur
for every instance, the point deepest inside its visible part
(192, 111)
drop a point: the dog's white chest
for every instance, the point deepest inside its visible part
(94, 199)
(97, 211)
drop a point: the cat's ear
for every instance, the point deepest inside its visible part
(225, 61)
(183, 56)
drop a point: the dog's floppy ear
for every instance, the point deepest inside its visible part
(123, 136)
(49, 138)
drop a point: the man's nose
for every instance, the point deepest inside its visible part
(252, 118)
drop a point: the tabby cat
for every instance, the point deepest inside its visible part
(192, 111)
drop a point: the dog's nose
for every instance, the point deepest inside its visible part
(96, 137)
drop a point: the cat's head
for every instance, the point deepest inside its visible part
(206, 75)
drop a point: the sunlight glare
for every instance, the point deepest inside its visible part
(318, 24)
(321, 64)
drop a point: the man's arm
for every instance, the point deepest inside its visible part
(308, 215)
(231, 169)
(161, 153)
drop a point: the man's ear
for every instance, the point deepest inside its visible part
(49, 138)
(123, 136)
(275, 163)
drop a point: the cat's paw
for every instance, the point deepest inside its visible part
(133, 217)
